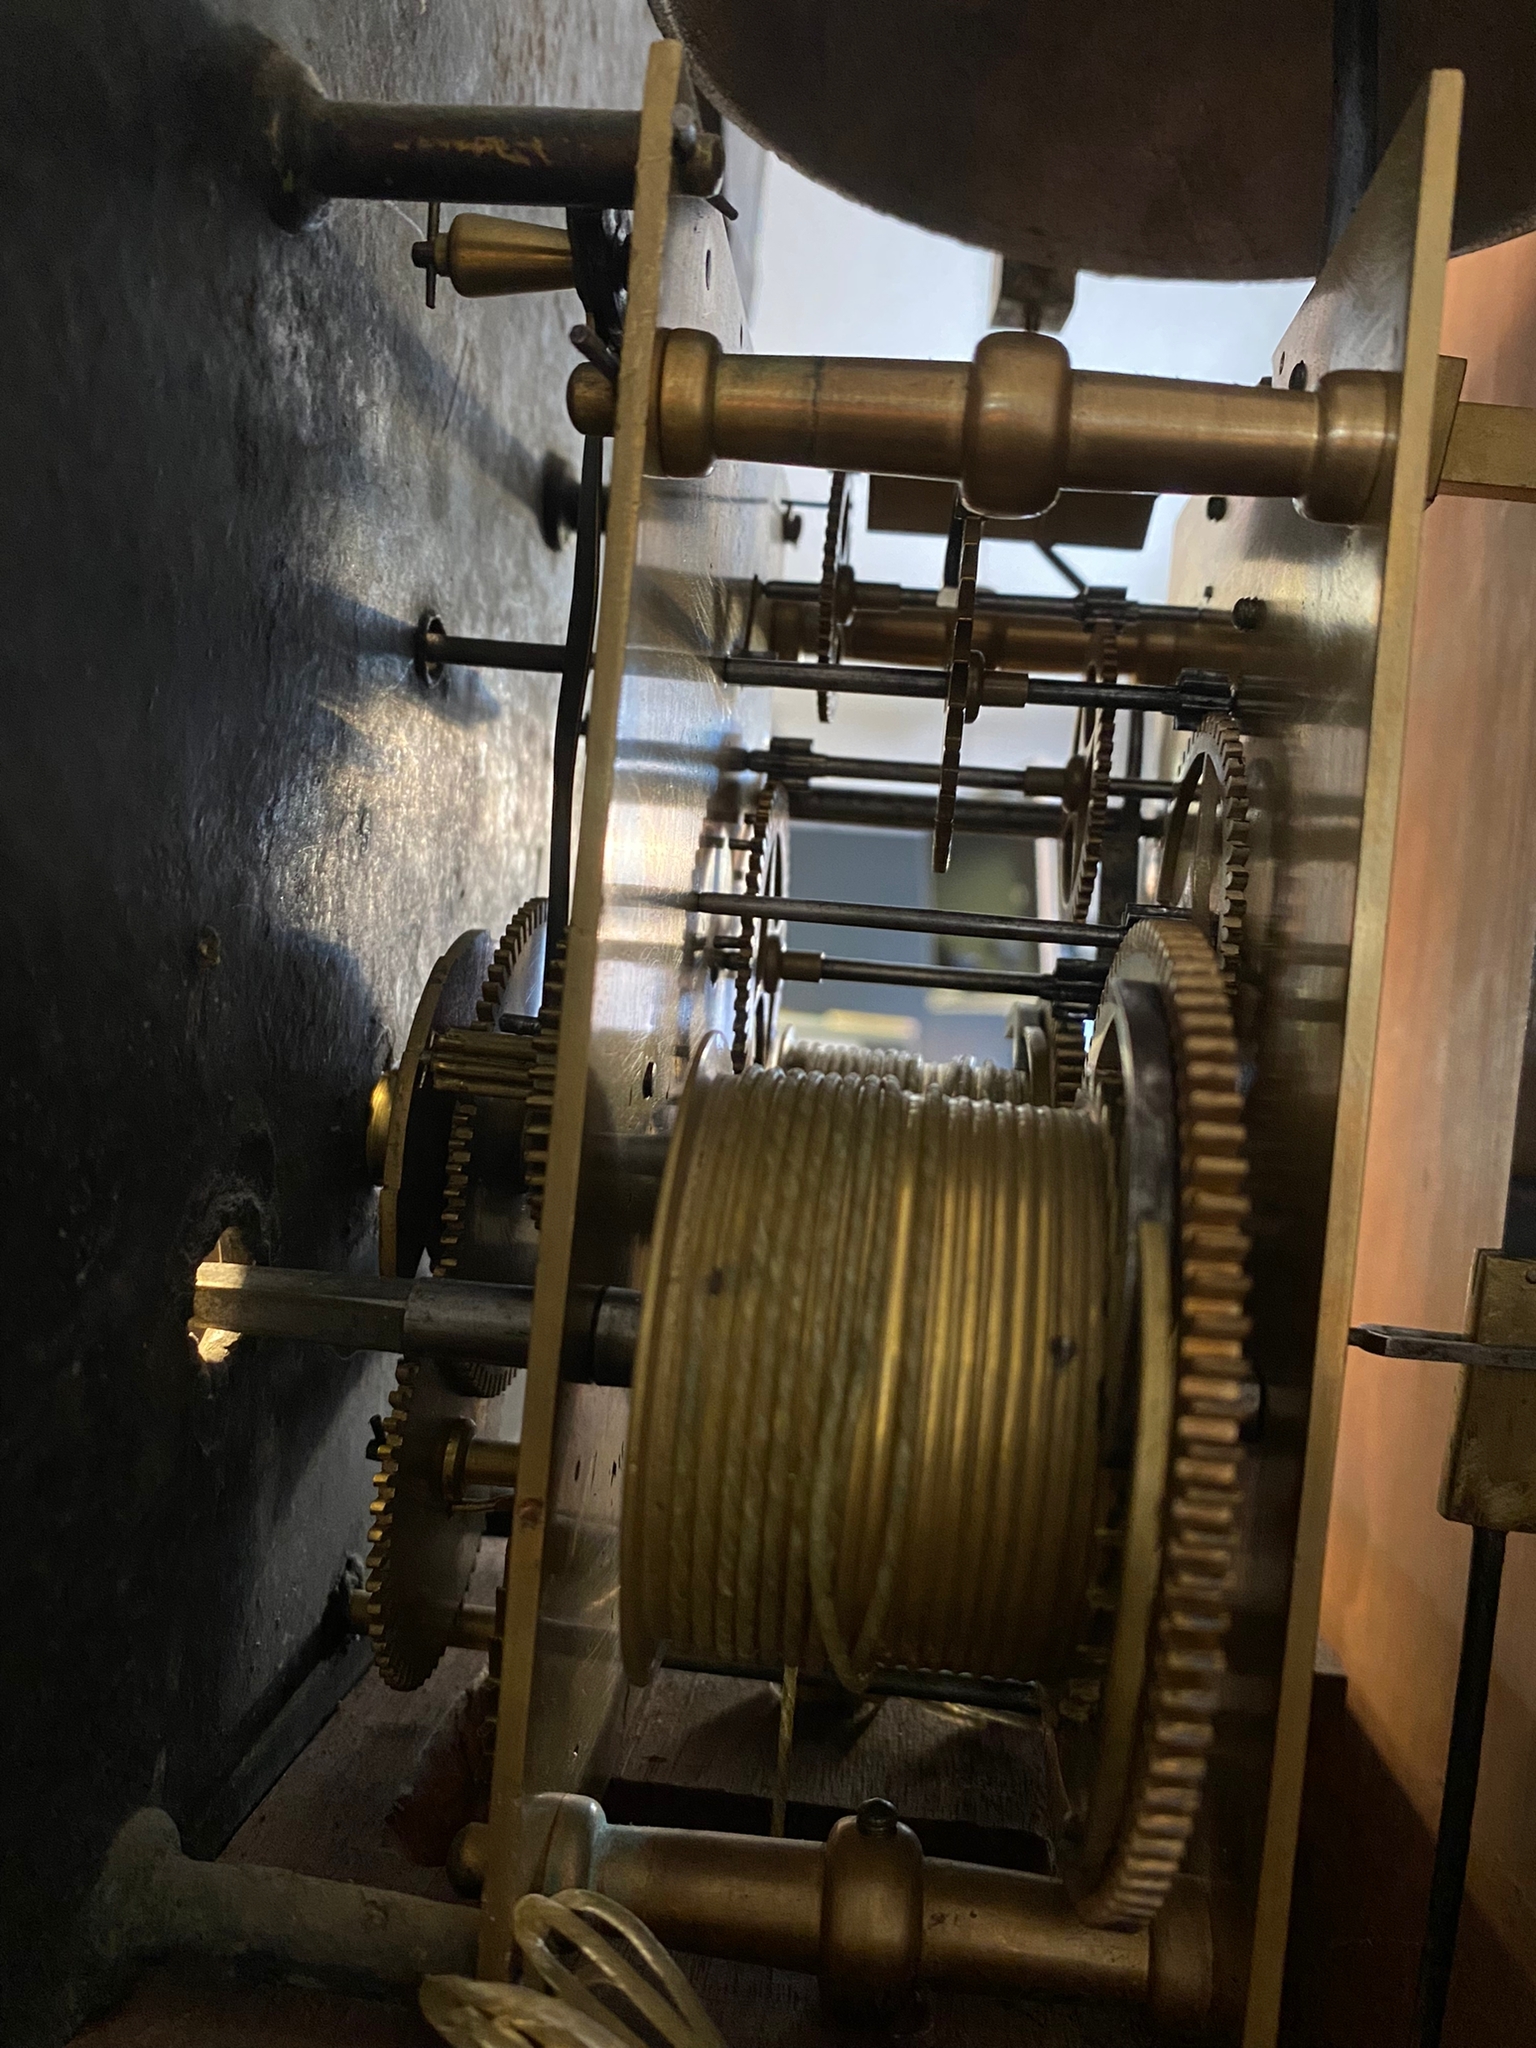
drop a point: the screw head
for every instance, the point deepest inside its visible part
(876, 1817)
(1249, 613)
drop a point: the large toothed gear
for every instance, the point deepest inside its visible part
(415, 1140)
(484, 1066)
(421, 1548)
(539, 1119)
(1205, 839)
(1215, 1395)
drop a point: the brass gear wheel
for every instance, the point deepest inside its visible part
(1069, 1058)
(1216, 1393)
(766, 875)
(481, 1065)
(538, 1120)
(480, 1378)
(420, 1550)
(532, 918)
(415, 1142)
(1205, 838)
(1085, 806)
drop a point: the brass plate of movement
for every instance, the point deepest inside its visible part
(679, 558)
(1322, 709)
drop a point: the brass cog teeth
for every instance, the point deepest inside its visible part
(1212, 1663)
(1206, 1472)
(1173, 1799)
(485, 1050)
(1215, 1393)
(516, 936)
(396, 1670)
(1218, 1279)
(1189, 1617)
(1207, 1205)
(1086, 844)
(538, 1118)
(752, 886)
(1203, 1235)
(1207, 1429)
(1216, 1102)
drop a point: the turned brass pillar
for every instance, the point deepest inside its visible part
(867, 1912)
(1014, 426)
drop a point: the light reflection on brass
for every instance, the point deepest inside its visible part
(485, 257)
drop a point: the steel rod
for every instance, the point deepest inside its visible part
(884, 917)
(1448, 1347)
(887, 811)
(361, 1312)
(808, 766)
(902, 974)
(319, 148)
(454, 650)
(512, 156)
(1449, 1878)
(1063, 569)
(1090, 605)
(785, 766)
(1197, 691)
(468, 1318)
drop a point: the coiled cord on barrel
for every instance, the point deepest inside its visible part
(981, 1079)
(573, 1945)
(865, 1428)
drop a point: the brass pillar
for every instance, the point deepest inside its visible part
(1015, 426)
(867, 1912)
